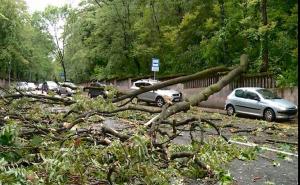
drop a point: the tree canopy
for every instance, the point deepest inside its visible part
(118, 38)
(25, 48)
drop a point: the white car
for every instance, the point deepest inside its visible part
(158, 96)
(31, 86)
(22, 86)
(65, 90)
(68, 84)
(52, 86)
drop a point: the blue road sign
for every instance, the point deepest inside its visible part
(155, 64)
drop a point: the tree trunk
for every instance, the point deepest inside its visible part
(245, 12)
(198, 75)
(223, 24)
(265, 43)
(64, 69)
(138, 66)
(154, 17)
(205, 93)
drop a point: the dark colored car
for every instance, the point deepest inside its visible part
(96, 89)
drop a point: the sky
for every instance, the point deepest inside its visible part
(40, 5)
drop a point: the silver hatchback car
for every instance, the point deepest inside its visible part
(158, 96)
(259, 102)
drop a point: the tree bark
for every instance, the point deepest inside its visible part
(203, 95)
(223, 24)
(154, 17)
(265, 42)
(198, 75)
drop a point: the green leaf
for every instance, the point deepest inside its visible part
(36, 140)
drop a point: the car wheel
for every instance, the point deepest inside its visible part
(230, 110)
(160, 101)
(269, 115)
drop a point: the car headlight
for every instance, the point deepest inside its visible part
(282, 108)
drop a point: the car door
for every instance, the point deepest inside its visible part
(238, 100)
(142, 96)
(252, 103)
(148, 96)
(151, 95)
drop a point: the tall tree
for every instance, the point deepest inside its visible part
(24, 46)
(55, 18)
(265, 39)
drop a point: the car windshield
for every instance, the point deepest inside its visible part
(267, 94)
(70, 84)
(21, 84)
(166, 88)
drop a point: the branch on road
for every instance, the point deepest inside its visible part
(40, 97)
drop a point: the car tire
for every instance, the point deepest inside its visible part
(230, 110)
(269, 115)
(160, 101)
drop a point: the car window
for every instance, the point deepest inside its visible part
(267, 94)
(139, 84)
(251, 95)
(147, 84)
(239, 93)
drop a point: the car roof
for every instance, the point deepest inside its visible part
(249, 88)
(147, 80)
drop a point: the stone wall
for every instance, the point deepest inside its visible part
(3, 83)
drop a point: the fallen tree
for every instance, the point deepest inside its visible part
(80, 145)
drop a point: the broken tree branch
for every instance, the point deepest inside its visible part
(203, 95)
(198, 75)
(40, 97)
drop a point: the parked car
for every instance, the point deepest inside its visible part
(65, 90)
(96, 89)
(157, 96)
(52, 86)
(22, 86)
(259, 102)
(31, 86)
(69, 84)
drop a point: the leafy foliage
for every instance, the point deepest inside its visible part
(119, 38)
(24, 48)
(32, 155)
